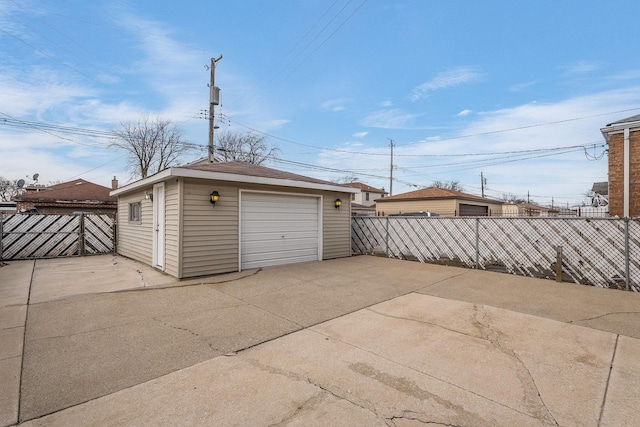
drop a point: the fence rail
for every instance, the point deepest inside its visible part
(591, 251)
(52, 236)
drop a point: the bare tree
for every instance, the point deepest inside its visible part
(248, 147)
(9, 189)
(448, 185)
(347, 179)
(512, 198)
(152, 145)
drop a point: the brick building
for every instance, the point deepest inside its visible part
(623, 138)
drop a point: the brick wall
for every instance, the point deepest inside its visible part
(616, 174)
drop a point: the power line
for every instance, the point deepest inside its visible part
(284, 78)
(528, 126)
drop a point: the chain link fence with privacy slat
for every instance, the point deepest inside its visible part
(51, 236)
(591, 251)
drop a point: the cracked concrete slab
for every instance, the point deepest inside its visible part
(605, 309)
(152, 354)
(400, 363)
(100, 273)
(84, 347)
(15, 279)
(621, 408)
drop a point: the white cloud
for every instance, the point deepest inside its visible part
(360, 134)
(386, 104)
(521, 87)
(334, 105)
(273, 124)
(582, 67)
(565, 177)
(390, 119)
(464, 113)
(446, 79)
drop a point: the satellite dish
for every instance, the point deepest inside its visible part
(20, 183)
(35, 176)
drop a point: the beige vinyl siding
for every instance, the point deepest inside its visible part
(172, 227)
(135, 239)
(336, 232)
(442, 207)
(210, 234)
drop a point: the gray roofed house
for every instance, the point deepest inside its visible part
(69, 197)
(601, 188)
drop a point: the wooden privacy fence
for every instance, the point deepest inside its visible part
(51, 236)
(591, 251)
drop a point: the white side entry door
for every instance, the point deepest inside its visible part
(158, 226)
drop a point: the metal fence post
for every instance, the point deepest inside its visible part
(626, 253)
(478, 243)
(81, 235)
(387, 238)
(114, 236)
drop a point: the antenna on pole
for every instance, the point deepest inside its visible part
(214, 99)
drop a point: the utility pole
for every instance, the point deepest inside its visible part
(391, 169)
(214, 99)
(482, 183)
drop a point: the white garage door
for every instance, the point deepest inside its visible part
(278, 229)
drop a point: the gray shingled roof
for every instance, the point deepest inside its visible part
(601, 188)
(249, 169)
(227, 171)
(76, 190)
(635, 118)
(431, 193)
(365, 187)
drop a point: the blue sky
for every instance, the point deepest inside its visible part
(515, 90)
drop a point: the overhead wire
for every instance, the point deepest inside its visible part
(263, 91)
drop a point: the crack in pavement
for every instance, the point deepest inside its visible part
(442, 280)
(606, 388)
(195, 334)
(532, 398)
(604, 315)
(395, 362)
(307, 404)
(424, 322)
(411, 389)
(409, 415)
(368, 406)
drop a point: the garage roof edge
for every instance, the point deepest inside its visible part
(228, 177)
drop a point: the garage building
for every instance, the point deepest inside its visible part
(210, 218)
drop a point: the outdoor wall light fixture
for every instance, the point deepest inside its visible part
(214, 197)
(148, 195)
(338, 203)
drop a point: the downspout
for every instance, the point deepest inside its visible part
(626, 167)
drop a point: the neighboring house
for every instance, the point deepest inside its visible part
(69, 198)
(623, 138)
(368, 194)
(600, 194)
(524, 209)
(360, 210)
(440, 201)
(261, 217)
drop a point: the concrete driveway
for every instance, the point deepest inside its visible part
(357, 341)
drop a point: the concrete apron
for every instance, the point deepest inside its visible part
(413, 358)
(137, 349)
(14, 296)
